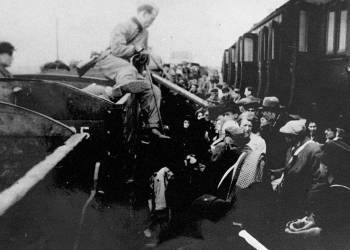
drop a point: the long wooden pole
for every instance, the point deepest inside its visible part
(181, 91)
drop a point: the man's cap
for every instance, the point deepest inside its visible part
(293, 127)
(335, 154)
(229, 123)
(231, 107)
(251, 103)
(243, 101)
(6, 47)
(271, 103)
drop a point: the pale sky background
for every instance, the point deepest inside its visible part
(203, 27)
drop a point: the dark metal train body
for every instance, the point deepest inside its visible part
(299, 53)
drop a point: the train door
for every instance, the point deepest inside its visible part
(249, 66)
(262, 60)
(238, 63)
(303, 62)
(232, 66)
(272, 86)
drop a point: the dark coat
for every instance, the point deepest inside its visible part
(276, 146)
(299, 174)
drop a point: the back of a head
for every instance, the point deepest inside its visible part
(149, 7)
(6, 47)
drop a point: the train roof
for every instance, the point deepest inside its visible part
(279, 10)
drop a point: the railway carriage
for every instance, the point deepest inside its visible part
(299, 53)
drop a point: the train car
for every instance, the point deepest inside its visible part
(112, 126)
(299, 53)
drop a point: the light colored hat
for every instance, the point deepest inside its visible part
(235, 133)
(228, 124)
(293, 127)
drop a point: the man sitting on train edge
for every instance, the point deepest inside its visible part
(127, 40)
(6, 58)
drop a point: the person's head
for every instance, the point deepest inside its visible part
(236, 93)
(166, 67)
(249, 123)
(6, 54)
(247, 126)
(294, 131)
(235, 135)
(311, 127)
(193, 88)
(330, 132)
(206, 114)
(219, 122)
(199, 114)
(231, 112)
(334, 161)
(147, 13)
(249, 91)
(186, 123)
(270, 108)
(214, 93)
(226, 91)
(251, 107)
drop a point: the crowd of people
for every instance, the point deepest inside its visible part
(241, 144)
(239, 161)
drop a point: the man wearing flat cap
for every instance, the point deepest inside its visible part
(300, 168)
(276, 146)
(130, 40)
(6, 58)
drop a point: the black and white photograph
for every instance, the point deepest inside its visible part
(175, 125)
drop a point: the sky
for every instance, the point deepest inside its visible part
(203, 27)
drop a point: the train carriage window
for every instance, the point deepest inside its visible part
(248, 49)
(303, 29)
(240, 50)
(330, 32)
(342, 31)
(337, 17)
(233, 55)
(226, 57)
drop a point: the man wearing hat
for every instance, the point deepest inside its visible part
(276, 146)
(6, 58)
(300, 168)
(214, 100)
(130, 39)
